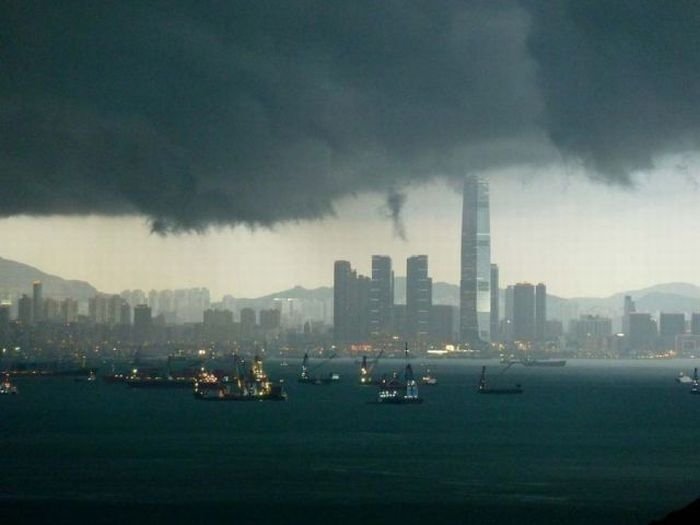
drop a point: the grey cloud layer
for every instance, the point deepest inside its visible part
(257, 112)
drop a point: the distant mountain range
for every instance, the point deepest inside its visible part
(16, 278)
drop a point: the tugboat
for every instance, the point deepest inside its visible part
(695, 389)
(252, 385)
(306, 377)
(6, 387)
(394, 392)
(484, 389)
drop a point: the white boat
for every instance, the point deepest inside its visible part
(683, 378)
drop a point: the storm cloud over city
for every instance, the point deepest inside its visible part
(259, 112)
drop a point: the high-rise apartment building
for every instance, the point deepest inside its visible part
(37, 302)
(475, 278)
(381, 296)
(523, 312)
(419, 298)
(495, 310)
(540, 312)
(25, 310)
(350, 304)
(143, 323)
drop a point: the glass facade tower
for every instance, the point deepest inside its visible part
(475, 279)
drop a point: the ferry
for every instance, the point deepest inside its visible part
(6, 387)
(485, 389)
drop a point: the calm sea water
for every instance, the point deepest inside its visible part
(593, 442)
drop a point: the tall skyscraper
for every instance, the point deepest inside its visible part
(350, 304)
(37, 302)
(523, 312)
(381, 296)
(143, 323)
(24, 310)
(695, 324)
(475, 279)
(495, 311)
(419, 297)
(540, 312)
(343, 281)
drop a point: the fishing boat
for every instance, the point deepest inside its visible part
(395, 392)
(6, 387)
(250, 385)
(485, 389)
(428, 379)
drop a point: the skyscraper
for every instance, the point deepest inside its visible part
(143, 323)
(419, 297)
(381, 296)
(343, 280)
(24, 310)
(495, 317)
(523, 312)
(540, 312)
(350, 304)
(475, 279)
(37, 302)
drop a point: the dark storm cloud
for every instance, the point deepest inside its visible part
(197, 114)
(252, 112)
(620, 80)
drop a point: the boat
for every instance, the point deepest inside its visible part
(683, 378)
(544, 362)
(150, 378)
(695, 389)
(366, 369)
(428, 379)
(6, 387)
(485, 389)
(394, 392)
(86, 379)
(251, 385)
(306, 376)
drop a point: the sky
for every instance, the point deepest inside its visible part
(244, 146)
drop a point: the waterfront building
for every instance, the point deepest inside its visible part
(37, 302)
(540, 312)
(419, 298)
(381, 297)
(495, 310)
(475, 275)
(523, 325)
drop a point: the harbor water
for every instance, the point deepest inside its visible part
(606, 442)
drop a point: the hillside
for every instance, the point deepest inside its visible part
(16, 278)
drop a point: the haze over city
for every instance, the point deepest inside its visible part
(350, 262)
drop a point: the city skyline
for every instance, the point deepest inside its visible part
(116, 254)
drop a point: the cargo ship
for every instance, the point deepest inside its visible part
(250, 385)
(544, 362)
